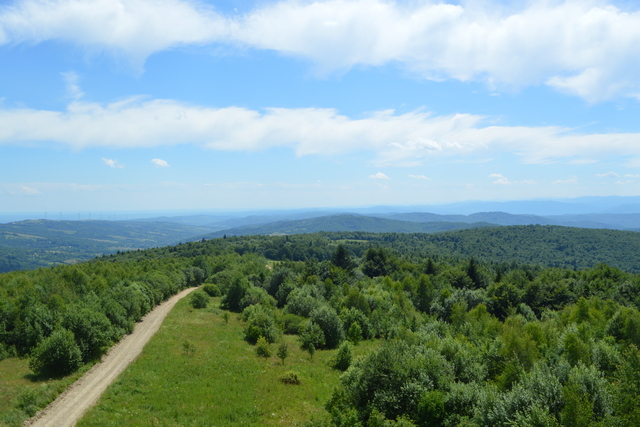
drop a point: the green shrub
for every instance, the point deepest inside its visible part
(354, 334)
(211, 290)
(91, 331)
(331, 325)
(283, 351)
(292, 324)
(311, 337)
(263, 349)
(199, 300)
(343, 358)
(57, 355)
(290, 377)
(260, 323)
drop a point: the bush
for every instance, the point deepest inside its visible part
(355, 333)
(343, 358)
(91, 331)
(57, 355)
(283, 351)
(311, 337)
(292, 324)
(211, 290)
(260, 323)
(331, 325)
(290, 377)
(263, 349)
(199, 300)
(237, 289)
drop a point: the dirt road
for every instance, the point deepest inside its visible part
(67, 409)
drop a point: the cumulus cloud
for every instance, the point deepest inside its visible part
(500, 179)
(406, 139)
(608, 175)
(584, 48)
(160, 163)
(379, 175)
(112, 163)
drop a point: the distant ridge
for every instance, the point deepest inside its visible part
(346, 222)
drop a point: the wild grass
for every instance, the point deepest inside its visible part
(22, 393)
(198, 371)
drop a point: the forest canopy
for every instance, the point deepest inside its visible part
(474, 339)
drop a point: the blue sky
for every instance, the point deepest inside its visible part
(175, 104)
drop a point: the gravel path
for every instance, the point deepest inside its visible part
(67, 409)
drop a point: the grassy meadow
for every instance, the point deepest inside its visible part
(22, 393)
(198, 371)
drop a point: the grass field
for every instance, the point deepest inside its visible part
(216, 379)
(22, 394)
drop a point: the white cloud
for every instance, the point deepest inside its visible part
(420, 177)
(379, 175)
(112, 163)
(134, 28)
(565, 181)
(160, 163)
(585, 48)
(500, 179)
(608, 175)
(631, 175)
(394, 139)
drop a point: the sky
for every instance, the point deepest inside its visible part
(112, 105)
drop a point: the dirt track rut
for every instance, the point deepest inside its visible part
(67, 409)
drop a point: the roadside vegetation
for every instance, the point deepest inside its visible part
(423, 338)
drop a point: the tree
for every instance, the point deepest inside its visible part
(311, 338)
(375, 262)
(343, 357)
(231, 301)
(199, 300)
(331, 325)
(342, 259)
(57, 355)
(263, 349)
(283, 351)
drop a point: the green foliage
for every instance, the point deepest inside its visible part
(330, 324)
(354, 334)
(263, 349)
(290, 377)
(342, 259)
(199, 300)
(260, 322)
(311, 337)
(212, 290)
(233, 298)
(291, 323)
(91, 329)
(56, 355)
(283, 351)
(343, 357)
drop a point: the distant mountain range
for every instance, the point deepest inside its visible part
(416, 222)
(37, 243)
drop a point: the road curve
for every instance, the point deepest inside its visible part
(67, 409)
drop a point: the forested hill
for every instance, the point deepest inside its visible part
(346, 222)
(41, 243)
(544, 246)
(459, 333)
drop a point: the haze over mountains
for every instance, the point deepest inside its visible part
(37, 243)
